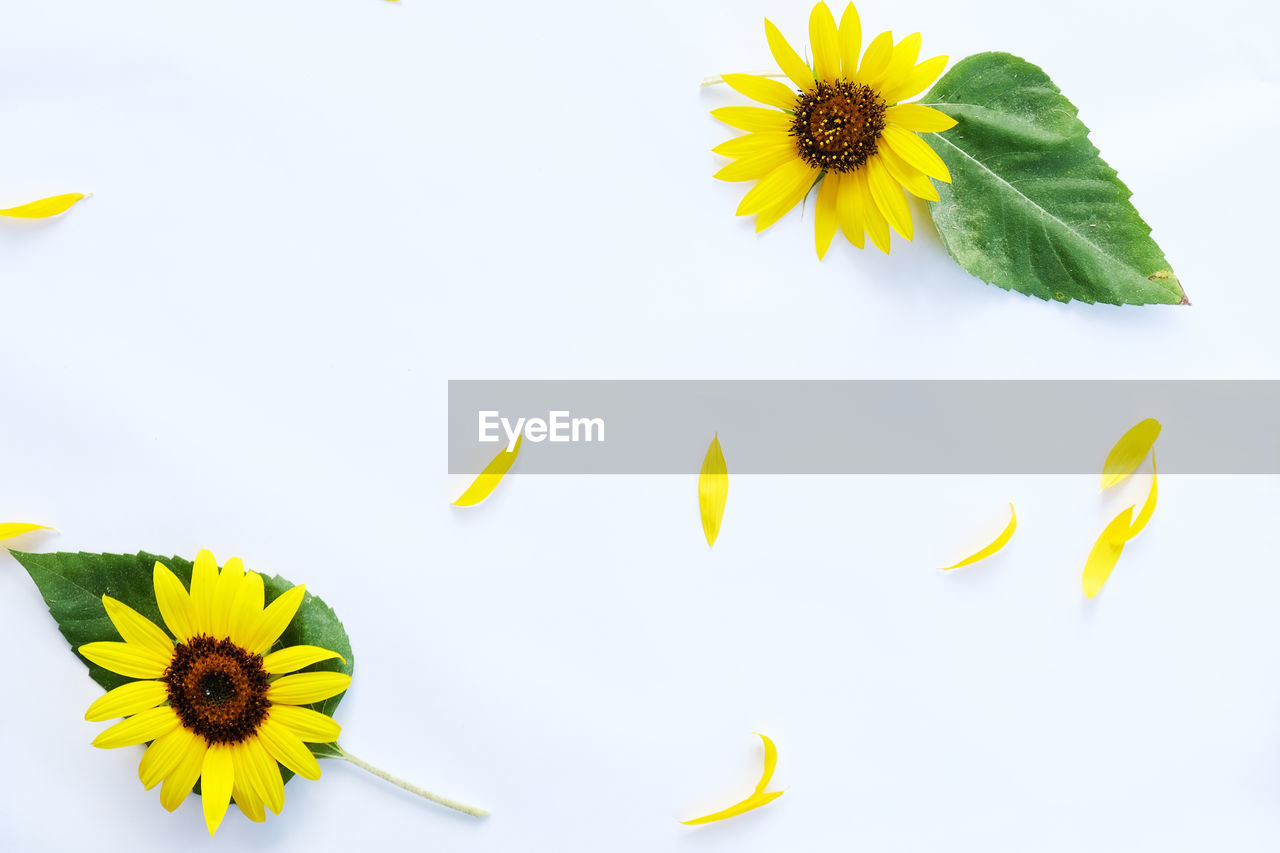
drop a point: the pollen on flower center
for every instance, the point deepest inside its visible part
(217, 689)
(837, 125)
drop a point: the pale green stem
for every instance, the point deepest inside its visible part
(409, 786)
(711, 81)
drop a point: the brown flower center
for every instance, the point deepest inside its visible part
(217, 689)
(837, 125)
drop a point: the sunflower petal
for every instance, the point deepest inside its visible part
(758, 797)
(825, 221)
(1127, 453)
(293, 658)
(770, 215)
(850, 40)
(713, 490)
(872, 219)
(135, 628)
(126, 659)
(275, 618)
(916, 152)
(763, 89)
(246, 609)
(1148, 508)
(754, 119)
(488, 479)
(900, 64)
(163, 756)
(1105, 553)
(174, 603)
(224, 596)
(306, 687)
(43, 208)
(825, 42)
(140, 728)
(264, 774)
(183, 778)
(996, 544)
(849, 212)
(889, 197)
(786, 57)
(753, 143)
(310, 726)
(919, 118)
(770, 762)
(127, 700)
(913, 180)
(877, 57)
(10, 529)
(285, 747)
(217, 778)
(204, 580)
(756, 166)
(245, 799)
(916, 80)
(782, 183)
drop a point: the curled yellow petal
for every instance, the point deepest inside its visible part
(1147, 508)
(713, 490)
(996, 544)
(44, 208)
(1129, 451)
(759, 796)
(490, 477)
(10, 529)
(1105, 553)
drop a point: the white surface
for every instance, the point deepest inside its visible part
(310, 214)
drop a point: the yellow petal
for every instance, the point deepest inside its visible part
(137, 629)
(877, 57)
(307, 687)
(915, 81)
(285, 747)
(275, 618)
(872, 219)
(140, 728)
(849, 212)
(756, 166)
(900, 64)
(246, 609)
(850, 40)
(217, 777)
(1148, 508)
(248, 802)
(754, 143)
(785, 182)
(1129, 451)
(788, 60)
(713, 490)
(293, 658)
(310, 726)
(264, 774)
(224, 596)
(127, 700)
(913, 180)
(204, 580)
(825, 43)
(888, 196)
(180, 782)
(1105, 553)
(126, 659)
(490, 477)
(174, 603)
(755, 119)
(10, 529)
(163, 756)
(825, 221)
(758, 797)
(43, 208)
(919, 118)
(996, 544)
(916, 151)
(763, 89)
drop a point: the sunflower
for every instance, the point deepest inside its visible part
(843, 128)
(213, 703)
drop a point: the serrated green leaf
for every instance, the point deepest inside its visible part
(72, 585)
(1033, 207)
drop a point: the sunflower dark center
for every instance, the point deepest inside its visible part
(837, 125)
(217, 689)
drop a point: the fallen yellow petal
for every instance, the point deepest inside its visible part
(759, 796)
(1105, 553)
(8, 530)
(43, 208)
(1129, 451)
(490, 477)
(713, 490)
(1147, 508)
(996, 544)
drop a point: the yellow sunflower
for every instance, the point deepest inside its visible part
(844, 129)
(215, 705)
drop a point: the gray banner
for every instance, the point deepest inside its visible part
(861, 427)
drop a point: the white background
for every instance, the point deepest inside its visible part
(310, 214)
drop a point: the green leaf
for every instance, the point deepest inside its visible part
(73, 585)
(1032, 206)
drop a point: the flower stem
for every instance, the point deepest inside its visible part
(409, 786)
(711, 81)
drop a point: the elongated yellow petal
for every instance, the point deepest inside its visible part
(900, 64)
(782, 207)
(180, 782)
(912, 179)
(794, 176)
(45, 207)
(788, 60)
(127, 700)
(140, 728)
(285, 747)
(888, 196)
(1129, 451)
(713, 490)
(763, 89)
(996, 544)
(306, 687)
(915, 81)
(275, 618)
(1105, 553)
(850, 41)
(10, 529)
(264, 774)
(224, 596)
(755, 119)
(877, 57)
(163, 756)
(137, 629)
(126, 659)
(216, 781)
(755, 166)
(1149, 507)
(916, 151)
(293, 658)
(310, 726)
(849, 212)
(872, 219)
(248, 802)
(174, 603)
(825, 221)
(490, 477)
(246, 609)
(754, 143)
(758, 797)
(919, 118)
(825, 42)
(204, 580)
